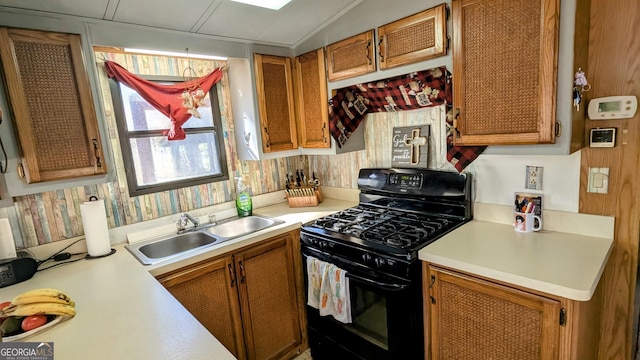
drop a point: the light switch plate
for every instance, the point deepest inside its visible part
(598, 180)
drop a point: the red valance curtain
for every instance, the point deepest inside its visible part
(168, 99)
(406, 92)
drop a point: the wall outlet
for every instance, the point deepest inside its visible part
(533, 178)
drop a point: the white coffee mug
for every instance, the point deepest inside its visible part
(527, 222)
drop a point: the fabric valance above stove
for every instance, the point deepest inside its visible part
(411, 91)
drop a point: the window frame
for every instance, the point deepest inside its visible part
(125, 137)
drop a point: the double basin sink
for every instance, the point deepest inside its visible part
(156, 250)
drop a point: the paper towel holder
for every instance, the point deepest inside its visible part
(113, 251)
(89, 257)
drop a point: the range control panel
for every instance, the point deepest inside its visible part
(406, 181)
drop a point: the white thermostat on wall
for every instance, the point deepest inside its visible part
(612, 107)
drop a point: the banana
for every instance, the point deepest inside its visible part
(42, 296)
(41, 308)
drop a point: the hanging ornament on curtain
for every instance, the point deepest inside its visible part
(192, 96)
(168, 99)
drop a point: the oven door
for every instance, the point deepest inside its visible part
(386, 317)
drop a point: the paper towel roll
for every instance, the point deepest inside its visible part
(96, 231)
(7, 244)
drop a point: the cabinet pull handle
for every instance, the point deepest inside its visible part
(380, 52)
(21, 173)
(456, 116)
(433, 280)
(233, 277)
(242, 273)
(266, 132)
(97, 152)
(324, 134)
(369, 51)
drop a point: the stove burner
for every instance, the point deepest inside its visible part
(390, 227)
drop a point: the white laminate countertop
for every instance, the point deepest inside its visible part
(124, 313)
(558, 263)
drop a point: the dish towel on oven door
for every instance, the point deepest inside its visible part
(328, 289)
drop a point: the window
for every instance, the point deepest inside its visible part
(153, 163)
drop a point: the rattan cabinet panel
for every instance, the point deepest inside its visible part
(418, 37)
(274, 87)
(53, 108)
(505, 55)
(311, 100)
(468, 317)
(250, 299)
(472, 319)
(269, 299)
(351, 57)
(208, 290)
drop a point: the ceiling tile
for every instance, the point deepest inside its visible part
(87, 8)
(168, 14)
(240, 21)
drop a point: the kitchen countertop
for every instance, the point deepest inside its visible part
(554, 262)
(124, 313)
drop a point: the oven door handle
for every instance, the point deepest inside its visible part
(373, 283)
(378, 284)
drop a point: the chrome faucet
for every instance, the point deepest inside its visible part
(184, 221)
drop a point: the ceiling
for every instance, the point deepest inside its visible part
(289, 26)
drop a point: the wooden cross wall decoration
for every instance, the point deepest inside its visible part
(410, 147)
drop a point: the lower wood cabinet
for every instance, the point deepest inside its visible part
(468, 317)
(250, 299)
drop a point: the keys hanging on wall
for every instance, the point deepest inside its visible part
(580, 86)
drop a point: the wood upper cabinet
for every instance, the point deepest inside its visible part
(274, 87)
(351, 57)
(54, 114)
(312, 104)
(414, 38)
(292, 101)
(250, 300)
(467, 317)
(505, 56)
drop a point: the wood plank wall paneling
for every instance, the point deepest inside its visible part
(55, 215)
(614, 69)
(342, 170)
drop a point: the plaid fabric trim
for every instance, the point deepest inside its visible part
(406, 92)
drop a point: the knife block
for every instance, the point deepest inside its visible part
(296, 200)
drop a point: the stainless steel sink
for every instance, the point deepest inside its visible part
(156, 250)
(239, 226)
(152, 251)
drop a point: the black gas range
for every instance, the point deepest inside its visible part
(377, 243)
(400, 212)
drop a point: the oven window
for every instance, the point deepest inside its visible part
(369, 316)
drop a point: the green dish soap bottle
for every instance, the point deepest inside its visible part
(243, 199)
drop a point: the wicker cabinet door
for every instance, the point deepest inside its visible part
(474, 319)
(418, 37)
(53, 108)
(311, 100)
(269, 300)
(351, 57)
(209, 291)
(274, 86)
(505, 55)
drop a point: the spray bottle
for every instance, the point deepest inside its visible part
(243, 199)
